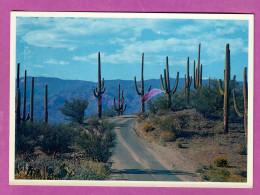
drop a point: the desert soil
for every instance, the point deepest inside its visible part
(206, 140)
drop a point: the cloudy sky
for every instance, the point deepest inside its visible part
(67, 47)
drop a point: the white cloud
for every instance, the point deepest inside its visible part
(52, 61)
(37, 66)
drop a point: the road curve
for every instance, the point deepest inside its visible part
(132, 160)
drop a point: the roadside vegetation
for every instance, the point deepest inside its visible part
(78, 150)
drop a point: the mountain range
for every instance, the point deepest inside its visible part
(60, 90)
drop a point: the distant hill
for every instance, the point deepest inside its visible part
(60, 90)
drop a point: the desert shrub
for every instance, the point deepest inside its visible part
(241, 149)
(75, 110)
(148, 127)
(109, 112)
(200, 170)
(220, 161)
(219, 175)
(151, 107)
(92, 121)
(90, 171)
(205, 177)
(178, 100)
(166, 124)
(26, 138)
(47, 168)
(179, 144)
(55, 139)
(208, 102)
(97, 142)
(242, 173)
(168, 136)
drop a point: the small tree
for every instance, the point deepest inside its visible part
(75, 110)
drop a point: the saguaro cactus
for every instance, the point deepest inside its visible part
(46, 104)
(100, 89)
(18, 106)
(18, 76)
(245, 92)
(187, 83)
(120, 108)
(141, 93)
(18, 97)
(24, 97)
(31, 100)
(166, 85)
(226, 91)
(197, 73)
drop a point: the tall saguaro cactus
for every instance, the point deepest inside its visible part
(245, 93)
(18, 76)
(120, 108)
(18, 97)
(141, 93)
(24, 97)
(31, 100)
(197, 73)
(100, 89)
(46, 104)
(226, 91)
(18, 106)
(187, 82)
(166, 88)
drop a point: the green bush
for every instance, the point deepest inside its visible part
(208, 102)
(56, 139)
(109, 112)
(97, 142)
(75, 110)
(220, 161)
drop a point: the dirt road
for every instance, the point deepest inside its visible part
(133, 160)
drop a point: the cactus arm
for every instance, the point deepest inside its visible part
(176, 83)
(103, 90)
(137, 91)
(95, 93)
(235, 105)
(194, 75)
(124, 109)
(115, 105)
(103, 83)
(163, 89)
(140, 87)
(220, 87)
(165, 81)
(149, 88)
(185, 81)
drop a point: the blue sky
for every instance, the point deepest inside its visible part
(67, 48)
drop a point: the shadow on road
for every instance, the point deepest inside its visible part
(152, 171)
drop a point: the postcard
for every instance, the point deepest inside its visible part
(131, 99)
